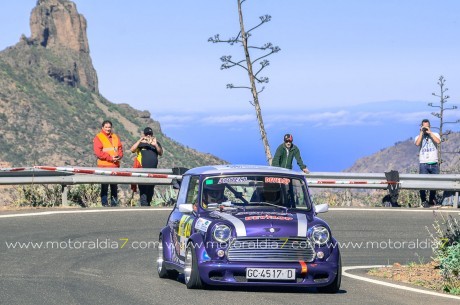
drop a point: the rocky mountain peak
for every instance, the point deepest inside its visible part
(56, 25)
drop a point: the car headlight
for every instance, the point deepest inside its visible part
(222, 233)
(320, 235)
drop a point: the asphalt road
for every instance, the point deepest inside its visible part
(109, 258)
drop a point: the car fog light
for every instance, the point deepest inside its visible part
(221, 253)
(320, 254)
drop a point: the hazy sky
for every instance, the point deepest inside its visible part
(334, 54)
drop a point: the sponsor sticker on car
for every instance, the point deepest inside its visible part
(202, 224)
(277, 180)
(231, 180)
(268, 217)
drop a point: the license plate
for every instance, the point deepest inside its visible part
(270, 274)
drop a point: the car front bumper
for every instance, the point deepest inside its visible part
(316, 274)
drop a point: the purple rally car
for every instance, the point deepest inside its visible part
(250, 226)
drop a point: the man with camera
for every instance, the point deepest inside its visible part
(147, 149)
(108, 149)
(428, 141)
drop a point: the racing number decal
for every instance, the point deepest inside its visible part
(185, 226)
(184, 231)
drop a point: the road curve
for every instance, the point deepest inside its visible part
(107, 256)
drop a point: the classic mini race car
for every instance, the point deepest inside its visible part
(249, 226)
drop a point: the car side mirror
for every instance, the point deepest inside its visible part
(321, 208)
(186, 208)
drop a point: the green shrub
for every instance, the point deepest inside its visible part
(409, 198)
(446, 248)
(164, 196)
(450, 264)
(446, 234)
(51, 195)
(450, 269)
(38, 195)
(86, 195)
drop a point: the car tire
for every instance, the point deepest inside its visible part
(163, 272)
(334, 287)
(191, 274)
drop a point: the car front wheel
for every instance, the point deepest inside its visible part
(191, 273)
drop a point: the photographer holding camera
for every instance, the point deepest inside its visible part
(147, 150)
(428, 141)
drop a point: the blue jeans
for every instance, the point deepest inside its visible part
(426, 168)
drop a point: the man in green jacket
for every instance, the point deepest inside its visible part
(286, 152)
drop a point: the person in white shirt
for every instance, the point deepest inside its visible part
(428, 141)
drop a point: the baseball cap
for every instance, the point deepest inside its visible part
(148, 131)
(288, 137)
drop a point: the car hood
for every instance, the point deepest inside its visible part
(266, 223)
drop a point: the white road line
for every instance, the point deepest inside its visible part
(109, 210)
(397, 210)
(362, 278)
(84, 211)
(85, 273)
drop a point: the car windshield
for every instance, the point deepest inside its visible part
(254, 190)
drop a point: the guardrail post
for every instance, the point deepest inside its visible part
(455, 204)
(65, 192)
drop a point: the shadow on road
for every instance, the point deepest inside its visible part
(276, 289)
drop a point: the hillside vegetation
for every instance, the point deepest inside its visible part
(50, 105)
(403, 157)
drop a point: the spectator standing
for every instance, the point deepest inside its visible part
(285, 154)
(428, 141)
(147, 150)
(109, 150)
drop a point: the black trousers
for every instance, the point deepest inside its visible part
(146, 193)
(113, 194)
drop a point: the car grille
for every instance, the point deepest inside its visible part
(271, 249)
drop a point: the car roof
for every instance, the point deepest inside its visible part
(227, 169)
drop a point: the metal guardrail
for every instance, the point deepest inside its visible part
(30, 175)
(379, 181)
(445, 182)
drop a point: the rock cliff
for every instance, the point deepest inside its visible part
(57, 25)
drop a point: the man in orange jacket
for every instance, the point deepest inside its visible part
(109, 151)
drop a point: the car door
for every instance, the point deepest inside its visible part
(181, 223)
